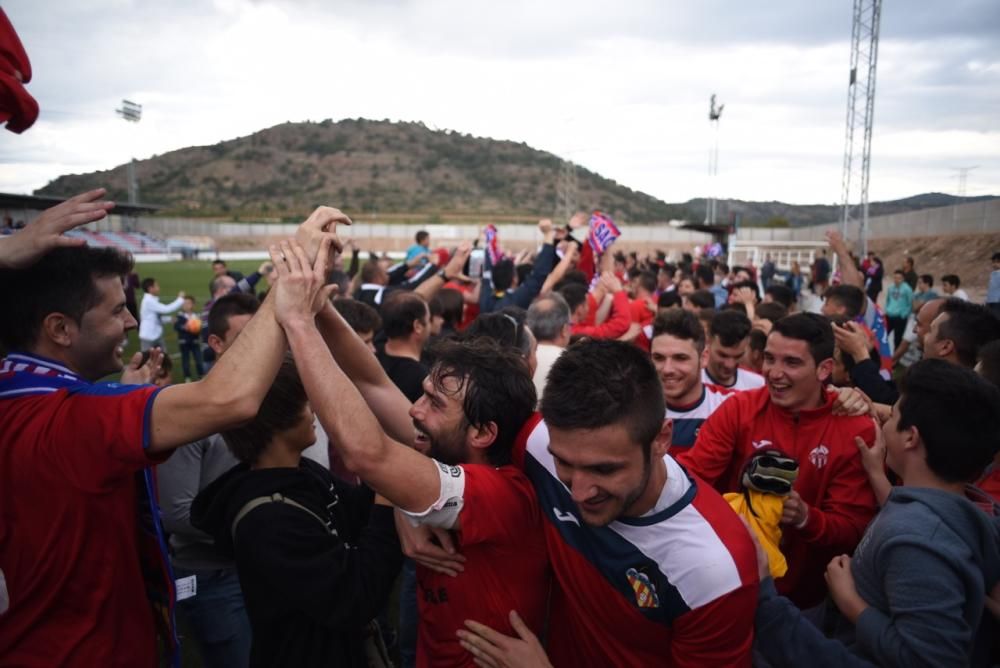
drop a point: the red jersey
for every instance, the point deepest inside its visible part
(675, 587)
(81, 548)
(831, 479)
(506, 568)
(640, 313)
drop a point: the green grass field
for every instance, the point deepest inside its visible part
(191, 276)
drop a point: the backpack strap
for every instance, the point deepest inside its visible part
(275, 498)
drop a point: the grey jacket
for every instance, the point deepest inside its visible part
(923, 566)
(189, 470)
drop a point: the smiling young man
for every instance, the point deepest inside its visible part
(729, 338)
(676, 350)
(85, 579)
(831, 503)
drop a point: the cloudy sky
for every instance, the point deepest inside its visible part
(621, 88)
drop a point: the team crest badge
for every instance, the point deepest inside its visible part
(645, 592)
(819, 456)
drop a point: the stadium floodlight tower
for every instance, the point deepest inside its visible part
(131, 112)
(714, 113)
(566, 192)
(860, 118)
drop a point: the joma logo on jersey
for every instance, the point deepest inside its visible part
(762, 443)
(565, 517)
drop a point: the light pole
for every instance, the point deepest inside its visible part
(714, 113)
(131, 112)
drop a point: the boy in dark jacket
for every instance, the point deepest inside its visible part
(316, 558)
(188, 325)
(916, 586)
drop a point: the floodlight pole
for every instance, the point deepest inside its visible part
(131, 112)
(714, 113)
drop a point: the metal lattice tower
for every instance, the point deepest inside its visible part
(860, 118)
(714, 113)
(566, 192)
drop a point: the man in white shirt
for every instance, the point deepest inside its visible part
(150, 311)
(549, 320)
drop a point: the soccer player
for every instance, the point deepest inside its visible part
(729, 338)
(676, 350)
(831, 503)
(85, 576)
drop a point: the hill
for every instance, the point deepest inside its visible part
(366, 166)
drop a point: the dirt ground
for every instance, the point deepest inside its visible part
(967, 256)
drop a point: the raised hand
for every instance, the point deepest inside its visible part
(457, 262)
(300, 290)
(137, 373)
(322, 224)
(27, 246)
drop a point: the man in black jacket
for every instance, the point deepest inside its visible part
(316, 557)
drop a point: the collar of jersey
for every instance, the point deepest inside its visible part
(677, 506)
(693, 404)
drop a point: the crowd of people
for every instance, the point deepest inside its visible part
(568, 456)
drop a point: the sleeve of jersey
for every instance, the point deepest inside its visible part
(849, 503)
(717, 634)
(99, 434)
(498, 506)
(713, 449)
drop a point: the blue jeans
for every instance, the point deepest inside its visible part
(189, 351)
(218, 617)
(409, 618)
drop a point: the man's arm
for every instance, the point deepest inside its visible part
(556, 275)
(617, 323)
(352, 356)
(163, 309)
(715, 447)
(399, 473)
(849, 273)
(178, 480)
(527, 291)
(431, 283)
(211, 404)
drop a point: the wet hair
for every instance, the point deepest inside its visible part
(731, 327)
(400, 309)
(280, 411)
(359, 316)
(227, 306)
(598, 382)
(496, 383)
(851, 297)
(957, 414)
(969, 326)
(680, 324)
(812, 328)
(63, 281)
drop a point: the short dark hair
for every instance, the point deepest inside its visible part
(989, 362)
(851, 297)
(669, 299)
(928, 279)
(705, 275)
(503, 274)
(370, 271)
(598, 382)
(680, 324)
(898, 271)
(147, 283)
(957, 414)
(399, 310)
(772, 311)
(730, 326)
(505, 326)
(218, 261)
(702, 299)
(574, 294)
(969, 326)
(781, 294)
(647, 281)
(747, 284)
(227, 306)
(953, 279)
(812, 328)
(498, 387)
(280, 410)
(421, 236)
(452, 306)
(359, 316)
(758, 340)
(61, 282)
(995, 258)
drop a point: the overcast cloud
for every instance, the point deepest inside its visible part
(623, 92)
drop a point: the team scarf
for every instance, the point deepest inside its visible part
(23, 375)
(493, 244)
(603, 232)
